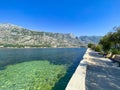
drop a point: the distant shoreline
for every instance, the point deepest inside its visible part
(36, 47)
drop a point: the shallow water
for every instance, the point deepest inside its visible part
(69, 57)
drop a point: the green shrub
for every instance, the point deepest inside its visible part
(98, 48)
(92, 46)
(115, 51)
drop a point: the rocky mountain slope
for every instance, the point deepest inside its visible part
(16, 36)
(89, 39)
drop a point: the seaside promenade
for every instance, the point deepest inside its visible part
(102, 73)
(95, 73)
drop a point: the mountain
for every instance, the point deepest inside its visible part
(16, 36)
(89, 39)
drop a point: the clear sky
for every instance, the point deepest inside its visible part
(80, 17)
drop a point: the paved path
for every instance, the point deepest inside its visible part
(102, 74)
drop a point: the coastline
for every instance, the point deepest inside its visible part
(77, 81)
(36, 47)
(95, 72)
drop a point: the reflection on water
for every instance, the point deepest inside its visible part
(66, 56)
(56, 56)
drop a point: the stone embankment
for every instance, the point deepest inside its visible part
(95, 72)
(77, 82)
(116, 58)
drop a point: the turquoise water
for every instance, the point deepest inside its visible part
(69, 57)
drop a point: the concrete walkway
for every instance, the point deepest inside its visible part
(77, 81)
(102, 73)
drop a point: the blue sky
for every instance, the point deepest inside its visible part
(80, 17)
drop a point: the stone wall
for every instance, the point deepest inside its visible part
(116, 58)
(77, 82)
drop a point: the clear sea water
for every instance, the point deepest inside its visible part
(65, 56)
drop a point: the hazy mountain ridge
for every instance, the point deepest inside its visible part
(15, 35)
(90, 39)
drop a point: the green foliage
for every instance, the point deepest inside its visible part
(90, 45)
(33, 75)
(22, 46)
(106, 43)
(12, 45)
(115, 51)
(111, 41)
(98, 48)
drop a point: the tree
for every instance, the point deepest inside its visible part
(111, 41)
(90, 45)
(98, 48)
(106, 43)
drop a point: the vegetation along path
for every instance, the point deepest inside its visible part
(102, 73)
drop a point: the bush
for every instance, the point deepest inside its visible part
(90, 45)
(115, 51)
(98, 48)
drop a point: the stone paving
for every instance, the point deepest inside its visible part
(102, 73)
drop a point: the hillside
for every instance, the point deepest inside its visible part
(89, 39)
(16, 36)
